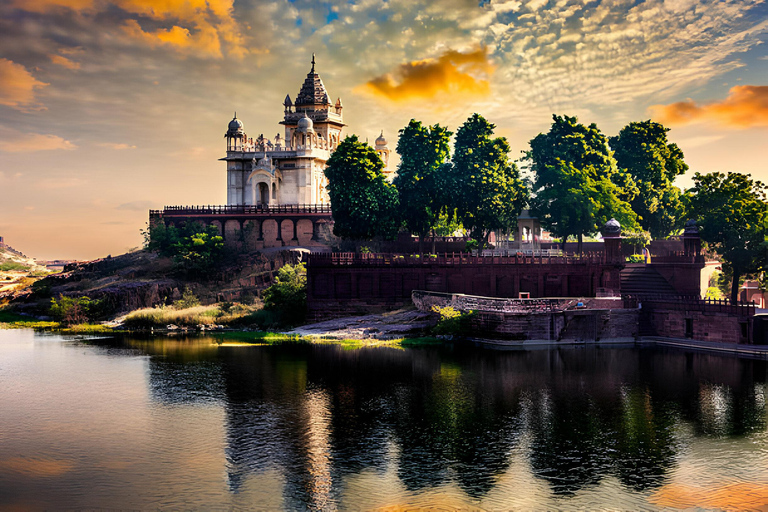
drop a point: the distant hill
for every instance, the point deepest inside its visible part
(17, 270)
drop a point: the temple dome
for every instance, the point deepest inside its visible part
(381, 141)
(235, 125)
(305, 125)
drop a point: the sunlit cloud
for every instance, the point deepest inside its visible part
(63, 61)
(119, 146)
(17, 85)
(30, 142)
(135, 206)
(745, 107)
(456, 73)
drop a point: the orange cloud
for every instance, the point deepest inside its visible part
(17, 85)
(26, 143)
(63, 61)
(196, 26)
(456, 73)
(745, 107)
(205, 40)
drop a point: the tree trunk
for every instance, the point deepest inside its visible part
(421, 242)
(565, 239)
(581, 243)
(735, 286)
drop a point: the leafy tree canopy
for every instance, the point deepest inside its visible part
(199, 252)
(643, 151)
(288, 294)
(364, 204)
(420, 179)
(732, 214)
(576, 185)
(488, 193)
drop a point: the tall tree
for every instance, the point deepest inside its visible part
(732, 213)
(487, 191)
(420, 179)
(643, 151)
(576, 185)
(364, 204)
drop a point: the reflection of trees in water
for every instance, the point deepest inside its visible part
(320, 413)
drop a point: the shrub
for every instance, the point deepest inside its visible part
(187, 300)
(288, 295)
(635, 258)
(452, 321)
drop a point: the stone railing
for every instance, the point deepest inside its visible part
(240, 210)
(425, 301)
(692, 303)
(457, 258)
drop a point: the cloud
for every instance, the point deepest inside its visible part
(30, 142)
(456, 73)
(745, 107)
(193, 27)
(63, 61)
(135, 206)
(17, 85)
(116, 145)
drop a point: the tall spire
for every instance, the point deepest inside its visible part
(313, 62)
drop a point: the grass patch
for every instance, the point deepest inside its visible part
(10, 266)
(260, 338)
(189, 317)
(89, 329)
(12, 320)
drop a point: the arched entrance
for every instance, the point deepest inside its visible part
(262, 197)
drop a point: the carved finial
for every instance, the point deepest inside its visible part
(313, 62)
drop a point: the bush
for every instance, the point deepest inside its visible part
(635, 258)
(287, 297)
(76, 310)
(187, 300)
(452, 321)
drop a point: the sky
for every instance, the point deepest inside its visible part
(110, 108)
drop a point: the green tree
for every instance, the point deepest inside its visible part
(732, 213)
(198, 253)
(420, 179)
(643, 151)
(576, 185)
(364, 204)
(288, 294)
(487, 190)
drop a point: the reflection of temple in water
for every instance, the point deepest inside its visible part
(319, 414)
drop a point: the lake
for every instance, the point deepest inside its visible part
(183, 423)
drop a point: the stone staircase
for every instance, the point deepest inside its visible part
(637, 279)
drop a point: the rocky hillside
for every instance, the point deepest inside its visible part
(143, 279)
(17, 271)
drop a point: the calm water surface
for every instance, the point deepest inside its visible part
(186, 424)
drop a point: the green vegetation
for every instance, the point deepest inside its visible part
(643, 151)
(195, 248)
(13, 266)
(637, 239)
(486, 188)
(732, 213)
(364, 204)
(78, 310)
(452, 321)
(194, 316)
(635, 258)
(577, 187)
(287, 297)
(274, 338)
(421, 177)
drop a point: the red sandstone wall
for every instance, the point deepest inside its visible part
(720, 327)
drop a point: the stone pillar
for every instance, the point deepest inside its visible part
(612, 242)
(691, 239)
